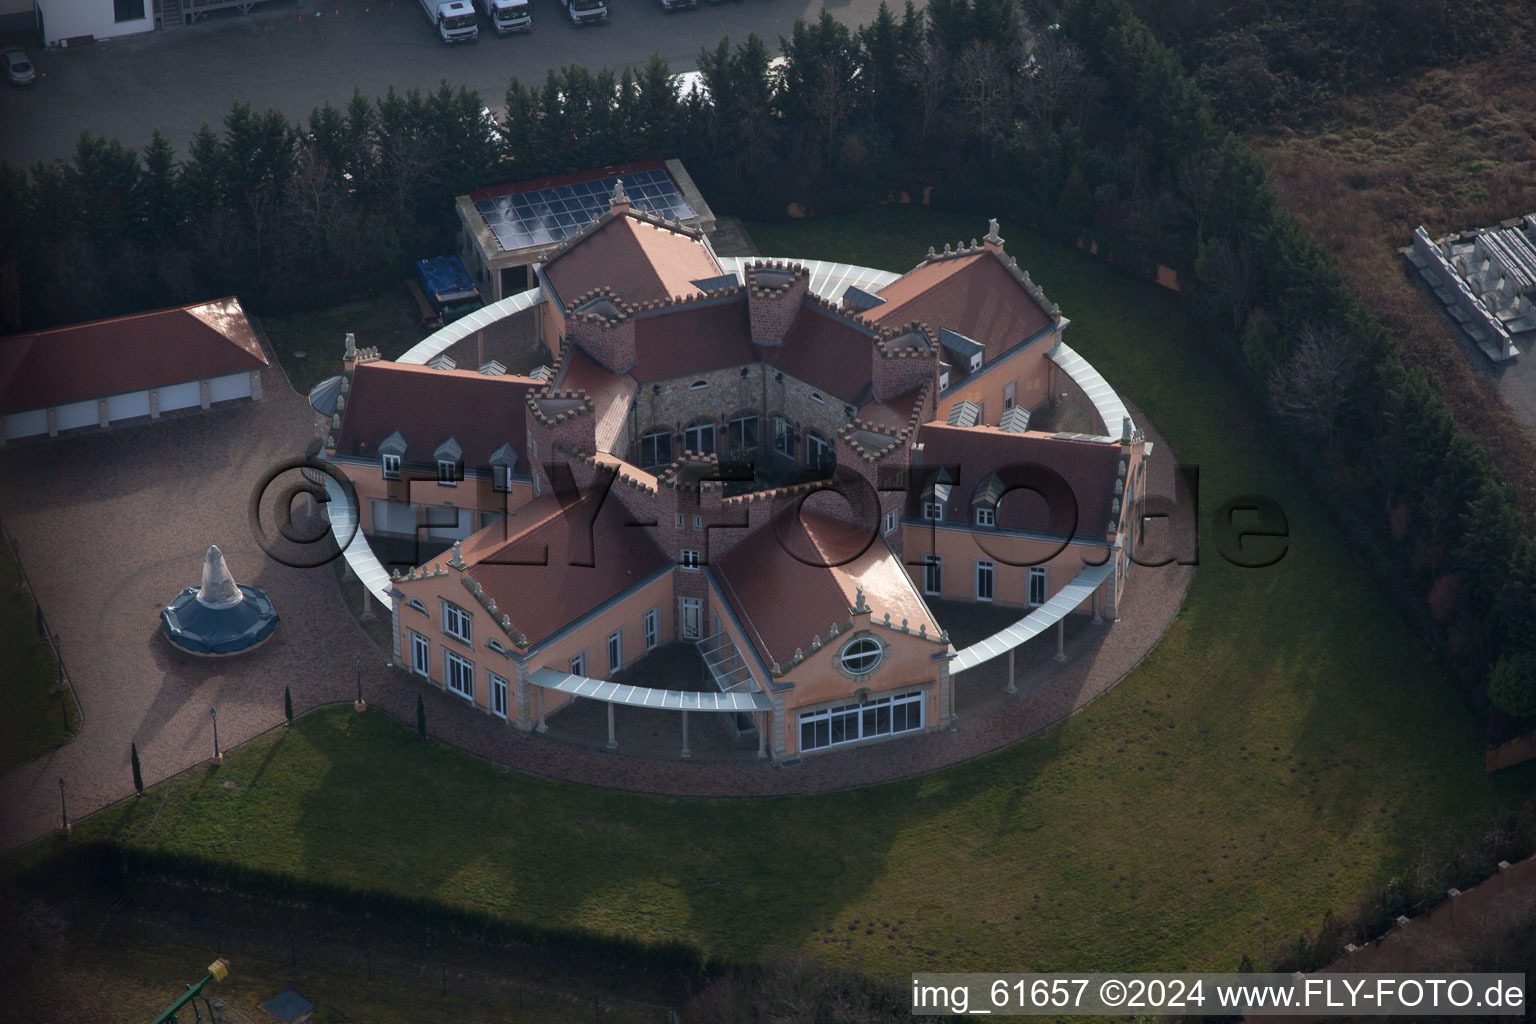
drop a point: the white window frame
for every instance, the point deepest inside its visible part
(501, 478)
(615, 651)
(698, 522)
(864, 656)
(1039, 574)
(737, 430)
(466, 674)
(689, 559)
(679, 520)
(391, 465)
(783, 437)
(447, 473)
(654, 437)
(453, 618)
(579, 664)
(818, 452)
(498, 695)
(934, 511)
(696, 431)
(933, 574)
(421, 655)
(1010, 395)
(697, 607)
(890, 521)
(854, 723)
(652, 629)
(985, 571)
(986, 516)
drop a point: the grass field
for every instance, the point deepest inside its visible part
(35, 715)
(1288, 747)
(388, 322)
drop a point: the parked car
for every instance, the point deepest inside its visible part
(677, 5)
(18, 69)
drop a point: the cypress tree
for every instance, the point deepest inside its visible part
(288, 705)
(421, 717)
(138, 776)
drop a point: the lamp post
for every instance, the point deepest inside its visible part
(218, 755)
(63, 808)
(357, 667)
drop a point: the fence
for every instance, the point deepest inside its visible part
(65, 682)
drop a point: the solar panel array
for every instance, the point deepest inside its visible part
(551, 215)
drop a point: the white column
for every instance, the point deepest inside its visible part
(1061, 636)
(613, 744)
(1010, 689)
(763, 718)
(686, 752)
(1098, 599)
(539, 696)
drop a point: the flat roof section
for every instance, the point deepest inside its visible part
(550, 215)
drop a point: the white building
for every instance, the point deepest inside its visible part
(108, 371)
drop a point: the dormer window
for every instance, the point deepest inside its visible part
(503, 460)
(448, 456)
(933, 510)
(391, 453)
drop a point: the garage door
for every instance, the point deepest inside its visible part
(78, 414)
(27, 424)
(236, 385)
(392, 517)
(180, 396)
(126, 407)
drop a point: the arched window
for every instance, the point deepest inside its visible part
(818, 453)
(862, 656)
(698, 384)
(656, 449)
(699, 438)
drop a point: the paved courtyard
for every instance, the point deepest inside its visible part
(112, 524)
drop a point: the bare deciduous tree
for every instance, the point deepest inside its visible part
(929, 71)
(1312, 386)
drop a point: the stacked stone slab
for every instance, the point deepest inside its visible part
(1486, 280)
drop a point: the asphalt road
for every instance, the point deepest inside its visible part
(295, 57)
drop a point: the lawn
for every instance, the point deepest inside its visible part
(35, 715)
(1287, 747)
(309, 345)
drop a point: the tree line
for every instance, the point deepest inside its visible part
(1080, 121)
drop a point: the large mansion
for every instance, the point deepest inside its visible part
(714, 454)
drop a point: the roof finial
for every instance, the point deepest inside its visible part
(619, 198)
(1125, 430)
(457, 561)
(351, 350)
(992, 235)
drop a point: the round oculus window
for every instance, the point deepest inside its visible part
(861, 656)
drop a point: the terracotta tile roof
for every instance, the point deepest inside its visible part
(826, 352)
(611, 393)
(693, 339)
(586, 561)
(630, 255)
(1078, 491)
(127, 353)
(778, 582)
(428, 406)
(974, 295)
